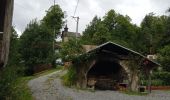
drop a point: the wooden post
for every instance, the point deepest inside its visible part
(7, 32)
(149, 81)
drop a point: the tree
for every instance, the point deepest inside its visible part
(114, 27)
(13, 69)
(101, 35)
(53, 19)
(14, 55)
(88, 34)
(71, 49)
(36, 46)
(165, 58)
(53, 22)
(153, 30)
(166, 40)
(38, 40)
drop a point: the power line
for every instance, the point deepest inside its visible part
(76, 18)
(20, 5)
(76, 7)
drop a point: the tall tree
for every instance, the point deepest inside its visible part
(153, 29)
(88, 34)
(36, 45)
(53, 19)
(14, 56)
(53, 22)
(165, 58)
(114, 27)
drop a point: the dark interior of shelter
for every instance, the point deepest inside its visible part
(107, 74)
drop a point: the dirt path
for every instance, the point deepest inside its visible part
(49, 87)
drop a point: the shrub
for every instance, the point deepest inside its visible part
(70, 77)
(7, 77)
(163, 76)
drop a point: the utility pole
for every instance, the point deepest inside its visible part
(77, 21)
(54, 30)
(53, 40)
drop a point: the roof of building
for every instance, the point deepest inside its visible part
(119, 50)
(71, 34)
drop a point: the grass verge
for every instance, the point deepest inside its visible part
(20, 88)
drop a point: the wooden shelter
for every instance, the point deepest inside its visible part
(6, 12)
(110, 65)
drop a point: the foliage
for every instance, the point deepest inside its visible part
(71, 49)
(101, 35)
(37, 41)
(163, 76)
(164, 58)
(153, 30)
(166, 40)
(70, 77)
(114, 27)
(12, 71)
(90, 31)
(36, 46)
(20, 89)
(14, 55)
(7, 76)
(53, 19)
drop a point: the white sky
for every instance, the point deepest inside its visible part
(26, 10)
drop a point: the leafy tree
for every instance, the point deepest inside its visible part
(71, 49)
(36, 45)
(89, 32)
(53, 19)
(114, 27)
(12, 71)
(153, 29)
(110, 20)
(165, 58)
(101, 35)
(119, 26)
(166, 40)
(53, 22)
(38, 39)
(14, 56)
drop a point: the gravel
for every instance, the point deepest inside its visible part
(49, 87)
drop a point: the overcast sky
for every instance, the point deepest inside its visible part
(26, 10)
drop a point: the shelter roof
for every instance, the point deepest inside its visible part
(120, 50)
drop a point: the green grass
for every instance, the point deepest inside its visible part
(47, 71)
(20, 88)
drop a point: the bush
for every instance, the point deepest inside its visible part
(7, 77)
(70, 77)
(163, 76)
(154, 83)
(159, 79)
(158, 83)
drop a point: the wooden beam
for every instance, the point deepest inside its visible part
(7, 32)
(149, 82)
(118, 56)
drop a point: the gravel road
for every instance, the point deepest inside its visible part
(49, 87)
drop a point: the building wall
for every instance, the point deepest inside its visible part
(89, 47)
(5, 42)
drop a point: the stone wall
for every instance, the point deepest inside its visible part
(133, 77)
(89, 47)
